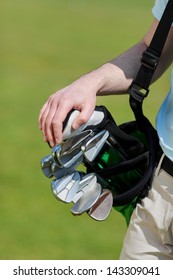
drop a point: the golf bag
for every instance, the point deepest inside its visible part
(126, 161)
(121, 158)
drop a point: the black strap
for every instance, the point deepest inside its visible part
(139, 88)
(125, 166)
(163, 28)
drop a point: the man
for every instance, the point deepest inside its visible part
(150, 232)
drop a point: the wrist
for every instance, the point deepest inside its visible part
(107, 80)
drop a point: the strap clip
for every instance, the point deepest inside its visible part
(137, 92)
(149, 60)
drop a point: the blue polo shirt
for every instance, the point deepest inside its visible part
(164, 119)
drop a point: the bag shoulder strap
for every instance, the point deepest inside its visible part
(139, 88)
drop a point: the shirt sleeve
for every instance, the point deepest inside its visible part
(159, 8)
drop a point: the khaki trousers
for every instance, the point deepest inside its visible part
(150, 232)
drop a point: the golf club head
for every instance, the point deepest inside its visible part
(66, 188)
(60, 172)
(71, 152)
(67, 160)
(87, 200)
(95, 119)
(75, 141)
(56, 151)
(85, 183)
(94, 145)
(103, 206)
(46, 163)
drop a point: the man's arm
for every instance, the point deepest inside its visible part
(125, 66)
(113, 77)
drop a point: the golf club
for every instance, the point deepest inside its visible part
(94, 145)
(58, 172)
(86, 182)
(65, 188)
(87, 200)
(103, 206)
(71, 149)
(46, 163)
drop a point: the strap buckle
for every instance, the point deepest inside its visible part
(137, 92)
(149, 60)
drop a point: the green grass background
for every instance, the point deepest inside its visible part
(46, 44)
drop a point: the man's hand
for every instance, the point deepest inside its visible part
(80, 95)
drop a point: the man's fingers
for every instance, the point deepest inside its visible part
(83, 117)
(42, 116)
(57, 121)
(45, 120)
(55, 110)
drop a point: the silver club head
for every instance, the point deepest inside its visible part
(94, 145)
(56, 170)
(66, 188)
(59, 172)
(103, 206)
(75, 141)
(85, 183)
(71, 152)
(87, 200)
(56, 151)
(75, 157)
(46, 163)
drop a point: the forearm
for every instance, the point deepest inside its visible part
(115, 76)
